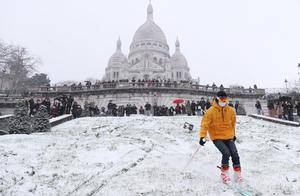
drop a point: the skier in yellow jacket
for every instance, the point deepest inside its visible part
(219, 121)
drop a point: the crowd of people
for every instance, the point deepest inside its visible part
(282, 109)
(143, 83)
(61, 105)
(134, 83)
(66, 105)
(190, 108)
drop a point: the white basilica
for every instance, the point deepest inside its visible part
(149, 57)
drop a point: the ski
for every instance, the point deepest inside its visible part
(246, 188)
(241, 188)
(238, 189)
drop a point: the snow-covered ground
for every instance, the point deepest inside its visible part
(141, 155)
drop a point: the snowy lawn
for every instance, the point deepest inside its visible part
(141, 155)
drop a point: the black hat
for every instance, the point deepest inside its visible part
(221, 94)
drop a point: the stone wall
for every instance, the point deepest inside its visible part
(4, 123)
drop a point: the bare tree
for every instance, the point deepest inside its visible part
(17, 64)
(4, 53)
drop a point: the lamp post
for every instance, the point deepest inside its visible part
(299, 71)
(286, 85)
(298, 82)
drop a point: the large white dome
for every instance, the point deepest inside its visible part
(149, 31)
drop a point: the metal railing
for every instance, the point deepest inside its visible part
(145, 85)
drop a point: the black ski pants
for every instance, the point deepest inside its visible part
(228, 148)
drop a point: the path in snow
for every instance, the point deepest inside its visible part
(141, 155)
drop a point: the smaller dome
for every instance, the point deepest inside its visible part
(178, 59)
(118, 59)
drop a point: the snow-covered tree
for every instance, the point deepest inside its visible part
(41, 120)
(20, 123)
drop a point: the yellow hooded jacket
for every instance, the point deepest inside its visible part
(219, 122)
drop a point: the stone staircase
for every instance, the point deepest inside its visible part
(249, 106)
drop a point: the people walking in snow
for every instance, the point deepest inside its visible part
(271, 108)
(236, 106)
(193, 108)
(279, 110)
(297, 107)
(198, 109)
(220, 121)
(141, 110)
(178, 109)
(207, 104)
(188, 108)
(148, 109)
(258, 108)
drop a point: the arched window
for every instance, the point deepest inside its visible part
(137, 60)
(160, 61)
(155, 60)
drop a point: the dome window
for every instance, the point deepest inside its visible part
(155, 60)
(154, 44)
(143, 44)
(160, 45)
(160, 61)
(148, 44)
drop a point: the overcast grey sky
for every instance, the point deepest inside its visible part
(225, 41)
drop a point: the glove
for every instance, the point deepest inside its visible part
(234, 138)
(202, 141)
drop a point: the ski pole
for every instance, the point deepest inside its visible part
(192, 157)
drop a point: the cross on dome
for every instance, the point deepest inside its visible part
(177, 44)
(119, 45)
(150, 11)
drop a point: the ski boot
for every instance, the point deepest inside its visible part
(224, 173)
(237, 174)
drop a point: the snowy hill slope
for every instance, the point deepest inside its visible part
(144, 156)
